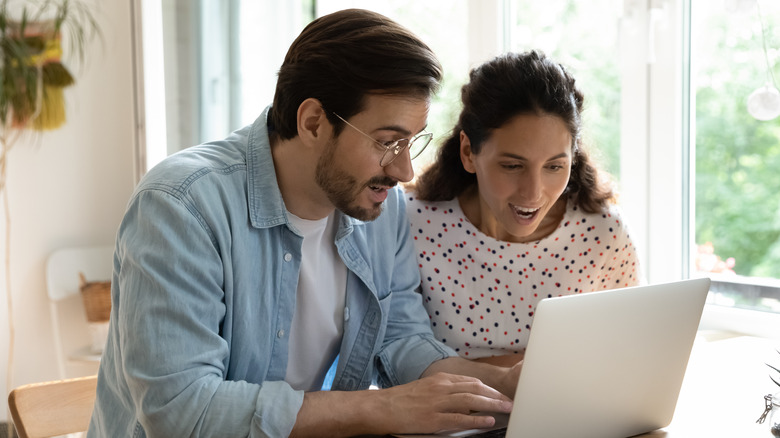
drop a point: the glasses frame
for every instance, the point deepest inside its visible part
(394, 146)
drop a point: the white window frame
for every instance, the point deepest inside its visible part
(214, 69)
(653, 176)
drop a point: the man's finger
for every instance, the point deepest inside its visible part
(467, 402)
(463, 422)
(479, 388)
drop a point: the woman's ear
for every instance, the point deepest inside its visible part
(466, 156)
(312, 121)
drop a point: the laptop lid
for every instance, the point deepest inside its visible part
(607, 364)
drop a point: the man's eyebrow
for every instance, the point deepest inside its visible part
(399, 129)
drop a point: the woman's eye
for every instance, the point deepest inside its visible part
(511, 166)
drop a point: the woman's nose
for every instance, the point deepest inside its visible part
(530, 187)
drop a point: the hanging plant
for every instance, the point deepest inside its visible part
(31, 46)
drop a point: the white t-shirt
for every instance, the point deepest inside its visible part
(318, 322)
(481, 293)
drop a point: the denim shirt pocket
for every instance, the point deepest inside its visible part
(384, 308)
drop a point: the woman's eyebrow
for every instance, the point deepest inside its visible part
(520, 157)
(561, 155)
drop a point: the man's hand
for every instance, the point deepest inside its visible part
(434, 403)
(502, 378)
(442, 402)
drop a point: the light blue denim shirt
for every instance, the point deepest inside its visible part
(203, 294)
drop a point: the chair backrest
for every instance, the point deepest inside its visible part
(62, 280)
(53, 408)
(63, 267)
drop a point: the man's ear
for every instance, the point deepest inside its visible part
(466, 156)
(313, 125)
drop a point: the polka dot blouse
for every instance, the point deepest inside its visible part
(481, 293)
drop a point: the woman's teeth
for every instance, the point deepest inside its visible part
(525, 212)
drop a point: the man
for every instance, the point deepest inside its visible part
(244, 268)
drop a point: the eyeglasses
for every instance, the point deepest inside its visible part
(393, 148)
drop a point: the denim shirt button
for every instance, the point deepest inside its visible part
(280, 334)
(346, 314)
(287, 257)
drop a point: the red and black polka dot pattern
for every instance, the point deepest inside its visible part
(481, 293)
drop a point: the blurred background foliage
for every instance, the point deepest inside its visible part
(737, 158)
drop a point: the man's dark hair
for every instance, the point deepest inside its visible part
(342, 57)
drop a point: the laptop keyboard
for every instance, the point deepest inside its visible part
(496, 433)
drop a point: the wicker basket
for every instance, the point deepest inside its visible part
(97, 299)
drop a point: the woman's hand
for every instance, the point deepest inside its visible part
(508, 384)
(506, 360)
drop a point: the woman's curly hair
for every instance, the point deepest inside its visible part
(507, 86)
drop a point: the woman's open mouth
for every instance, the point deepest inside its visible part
(523, 213)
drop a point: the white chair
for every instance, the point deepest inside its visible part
(70, 330)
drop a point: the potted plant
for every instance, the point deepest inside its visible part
(35, 36)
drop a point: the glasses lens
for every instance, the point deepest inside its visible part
(390, 154)
(416, 146)
(419, 144)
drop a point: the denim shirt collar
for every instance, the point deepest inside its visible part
(266, 206)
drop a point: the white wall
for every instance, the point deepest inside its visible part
(67, 188)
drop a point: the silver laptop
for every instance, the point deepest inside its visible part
(606, 364)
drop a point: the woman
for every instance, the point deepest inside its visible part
(513, 211)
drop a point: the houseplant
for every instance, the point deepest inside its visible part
(35, 36)
(31, 47)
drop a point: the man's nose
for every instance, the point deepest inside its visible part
(401, 167)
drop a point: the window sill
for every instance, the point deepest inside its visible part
(741, 321)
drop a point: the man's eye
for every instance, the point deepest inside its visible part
(390, 143)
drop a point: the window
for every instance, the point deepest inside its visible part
(737, 201)
(211, 47)
(214, 71)
(564, 31)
